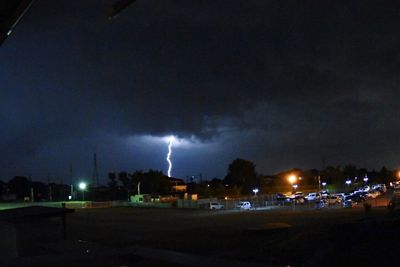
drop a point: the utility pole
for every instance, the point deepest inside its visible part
(71, 182)
(319, 183)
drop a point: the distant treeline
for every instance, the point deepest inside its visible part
(240, 180)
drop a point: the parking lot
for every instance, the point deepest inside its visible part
(128, 236)
(301, 201)
(269, 237)
(269, 233)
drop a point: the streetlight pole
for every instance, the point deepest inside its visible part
(292, 179)
(348, 182)
(324, 185)
(295, 187)
(319, 183)
(82, 186)
(255, 191)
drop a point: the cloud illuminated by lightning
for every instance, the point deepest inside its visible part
(156, 143)
(170, 142)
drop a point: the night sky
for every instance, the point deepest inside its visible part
(281, 83)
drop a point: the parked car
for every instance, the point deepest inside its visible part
(395, 199)
(282, 197)
(394, 184)
(319, 204)
(216, 206)
(360, 194)
(396, 192)
(299, 194)
(243, 205)
(357, 191)
(349, 203)
(324, 194)
(299, 199)
(356, 198)
(342, 196)
(379, 187)
(313, 196)
(333, 199)
(373, 194)
(365, 189)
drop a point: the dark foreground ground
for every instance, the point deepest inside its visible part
(149, 237)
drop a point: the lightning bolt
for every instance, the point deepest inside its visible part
(171, 139)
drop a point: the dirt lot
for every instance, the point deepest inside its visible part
(175, 237)
(337, 237)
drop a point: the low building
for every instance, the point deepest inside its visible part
(177, 185)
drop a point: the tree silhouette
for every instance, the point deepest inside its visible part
(154, 181)
(349, 171)
(112, 183)
(126, 182)
(242, 173)
(20, 186)
(384, 175)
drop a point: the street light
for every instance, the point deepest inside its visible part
(82, 186)
(365, 179)
(255, 191)
(324, 184)
(292, 179)
(295, 186)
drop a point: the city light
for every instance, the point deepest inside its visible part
(82, 186)
(292, 179)
(255, 191)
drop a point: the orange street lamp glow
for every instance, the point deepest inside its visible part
(292, 179)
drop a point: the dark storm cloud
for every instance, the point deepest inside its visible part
(278, 77)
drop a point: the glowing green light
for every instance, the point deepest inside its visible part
(82, 186)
